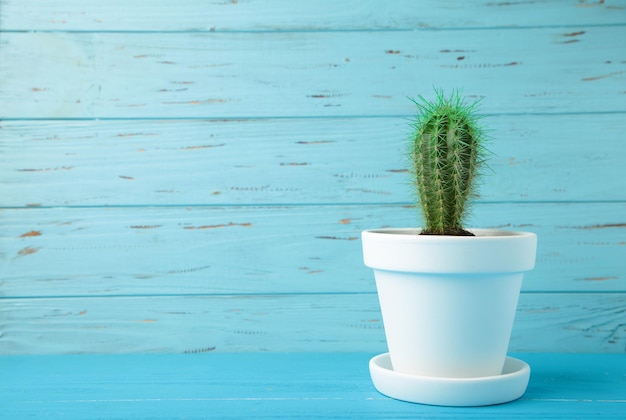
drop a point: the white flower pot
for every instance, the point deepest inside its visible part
(448, 302)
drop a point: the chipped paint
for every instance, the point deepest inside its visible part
(575, 33)
(30, 234)
(323, 96)
(131, 105)
(230, 224)
(513, 161)
(198, 102)
(365, 190)
(189, 270)
(204, 146)
(173, 90)
(481, 66)
(603, 76)
(29, 250)
(58, 168)
(583, 3)
(349, 238)
(202, 350)
(315, 142)
(603, 226)
(544, 310)
(136, 134)
(600, 278)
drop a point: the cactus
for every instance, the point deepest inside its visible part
(447, 153)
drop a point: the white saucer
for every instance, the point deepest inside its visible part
(464, 392)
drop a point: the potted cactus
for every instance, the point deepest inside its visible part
(448, 294)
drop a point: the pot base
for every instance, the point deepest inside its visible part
(462, 392)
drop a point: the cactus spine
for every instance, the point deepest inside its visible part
(447, 155)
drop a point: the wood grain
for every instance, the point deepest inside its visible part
(290, 385)
(272, 161)
(287, 74)
(277, 249)
(279, 323)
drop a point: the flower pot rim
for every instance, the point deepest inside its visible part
(491, 251)
(481, 234)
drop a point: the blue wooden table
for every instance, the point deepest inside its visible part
(281, 385)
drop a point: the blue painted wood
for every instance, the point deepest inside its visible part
(271, 161)
(275, 249)
(237, 15)
(278, 322)
(178, 176)
(287, 74)
(282, 385)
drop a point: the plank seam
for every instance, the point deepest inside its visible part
(272, 295)
(297, 117)
(286, 205)
(321, 30)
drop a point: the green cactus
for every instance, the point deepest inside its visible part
(447, 153)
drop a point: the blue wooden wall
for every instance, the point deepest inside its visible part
(188, 176)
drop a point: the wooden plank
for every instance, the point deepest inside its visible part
(302, 249)
(575, 323)
(271, 385)
(272, 161)
(244, 74)
(324, 322)
(194, 15)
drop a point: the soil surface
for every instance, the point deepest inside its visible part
(450, 232)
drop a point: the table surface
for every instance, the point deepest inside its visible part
(281, 385)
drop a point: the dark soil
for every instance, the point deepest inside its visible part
(450, 232)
